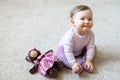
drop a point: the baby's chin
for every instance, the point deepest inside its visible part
(86, 29)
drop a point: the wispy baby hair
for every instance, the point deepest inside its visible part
(78, 9)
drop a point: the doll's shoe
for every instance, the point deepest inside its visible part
(59, 65)
(53, 73)
(34, 69)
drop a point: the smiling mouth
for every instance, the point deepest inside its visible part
(86, 26)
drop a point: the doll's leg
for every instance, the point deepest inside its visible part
(61, 56)
(34, 69)
(52, 72)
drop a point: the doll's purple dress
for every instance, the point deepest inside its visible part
(45, 62)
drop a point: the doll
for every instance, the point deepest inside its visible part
(46, 64)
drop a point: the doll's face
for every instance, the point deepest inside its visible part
(33, 54)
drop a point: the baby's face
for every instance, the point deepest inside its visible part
(82, 21)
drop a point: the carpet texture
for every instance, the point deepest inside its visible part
(25, 24)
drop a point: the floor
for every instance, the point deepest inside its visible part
(25, 24)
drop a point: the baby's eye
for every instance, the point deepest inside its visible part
(89, 19)
(82, 19)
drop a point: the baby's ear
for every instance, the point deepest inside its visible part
(72, 21)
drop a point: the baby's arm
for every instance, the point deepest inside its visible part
(67, 42)
(91, 47)
(90, 53)
(89, 65)
(68, 49)
(76, 67)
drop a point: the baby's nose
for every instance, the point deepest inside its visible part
(86, 21)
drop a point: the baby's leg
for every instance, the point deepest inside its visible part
(61, 56)
(81, 59)
(83, 56)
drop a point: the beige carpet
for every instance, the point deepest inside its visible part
(25, 24)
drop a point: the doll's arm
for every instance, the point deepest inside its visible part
(34, 69)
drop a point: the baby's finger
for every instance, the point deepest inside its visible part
(87, 66)
(91, 67)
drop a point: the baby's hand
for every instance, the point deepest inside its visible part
(88, 66)
(76, 68)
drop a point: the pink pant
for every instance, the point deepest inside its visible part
(61, 56)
